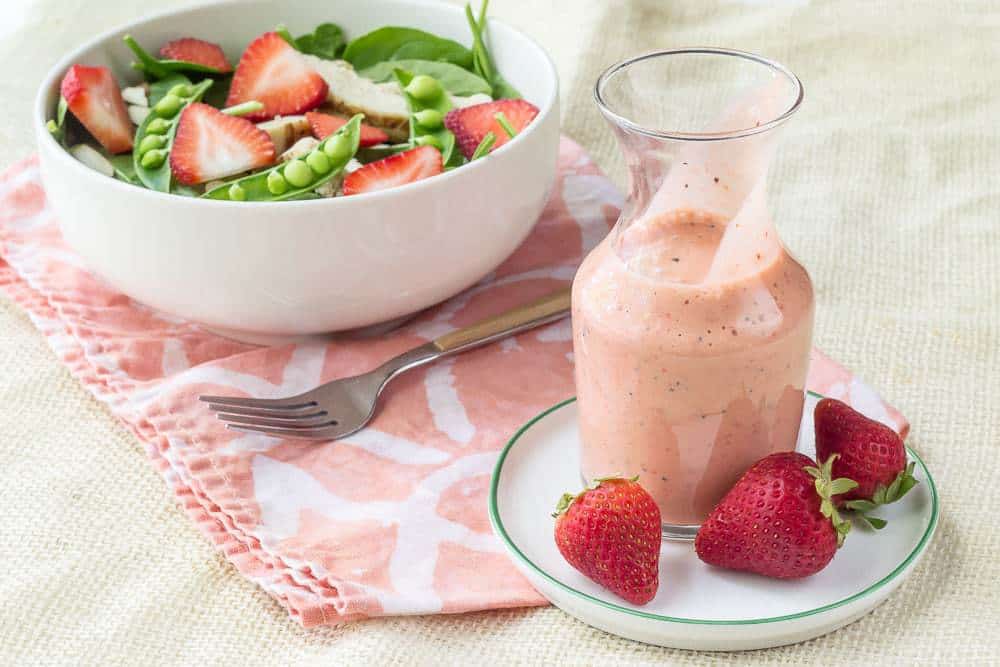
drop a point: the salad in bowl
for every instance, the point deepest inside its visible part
(409, 160)
(317, 115)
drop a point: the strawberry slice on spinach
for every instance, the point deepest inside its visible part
(158, 68)
(124, 168)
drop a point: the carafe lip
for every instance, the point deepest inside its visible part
(696, 136)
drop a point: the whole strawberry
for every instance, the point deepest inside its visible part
(777, 520)
(870, 453)
(611, 533)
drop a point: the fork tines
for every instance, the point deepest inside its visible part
(285, 418)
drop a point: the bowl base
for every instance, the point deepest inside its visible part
(266, 339)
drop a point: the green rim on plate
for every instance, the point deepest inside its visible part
(500, 530)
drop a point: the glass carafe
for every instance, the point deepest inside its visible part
(692, 324)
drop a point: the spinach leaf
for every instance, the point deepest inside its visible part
(326, 42)
(503, 90)
(124, 168)
(185, 190)
(218, 93)
(394, 43)
(455, 80)
(482, 62)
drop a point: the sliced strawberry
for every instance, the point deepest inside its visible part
(93, 96)
(210, 144)
(276, 75)
(324, 124)
(395, 170)
(471, 124)
(197, 51)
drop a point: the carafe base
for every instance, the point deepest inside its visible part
(679, 532)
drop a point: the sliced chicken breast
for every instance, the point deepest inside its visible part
(285, 131)
(479, 98)
(300, 148)
(382, 104)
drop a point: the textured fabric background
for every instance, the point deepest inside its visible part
(887, 189)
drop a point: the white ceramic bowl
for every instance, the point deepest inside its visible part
(263, 270)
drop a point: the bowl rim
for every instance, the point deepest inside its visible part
(52, 78)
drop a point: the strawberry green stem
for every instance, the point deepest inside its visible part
(567, 499)
(826, 488)
(883, 496)
(898, 488)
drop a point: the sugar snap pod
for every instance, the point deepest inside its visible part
(295, 178)
(155, 137)
(428, 104)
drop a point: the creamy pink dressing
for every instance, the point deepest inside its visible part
(686, 375)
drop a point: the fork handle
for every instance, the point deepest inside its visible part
(549, 308)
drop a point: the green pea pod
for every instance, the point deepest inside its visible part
(158, 68)
(61, 110)
(255, 187)
(380, 152)
(159, 89)
(57, 127)
(304, 196)
(158, 176)
(484, 147)
(440, 137)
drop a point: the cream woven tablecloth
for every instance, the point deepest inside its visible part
(888, 189)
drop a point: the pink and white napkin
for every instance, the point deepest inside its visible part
(391, 520)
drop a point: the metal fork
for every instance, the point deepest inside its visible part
(339, 408)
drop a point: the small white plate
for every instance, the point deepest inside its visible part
(698, 606)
